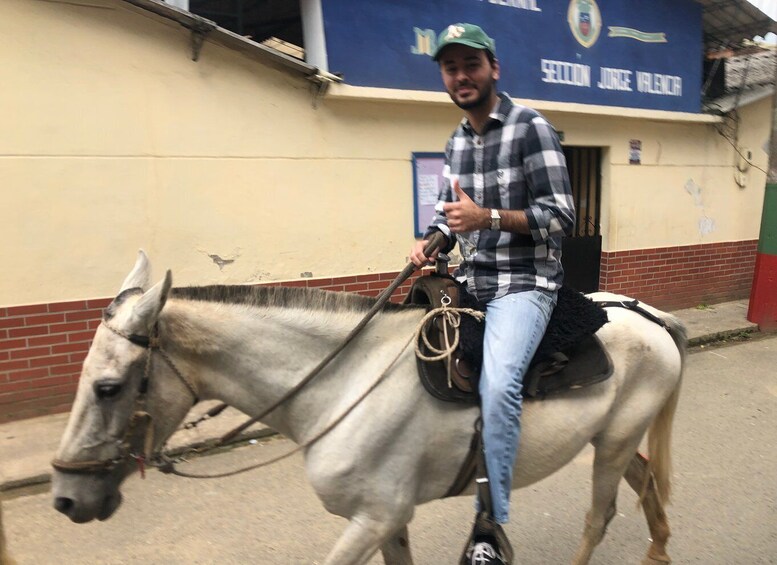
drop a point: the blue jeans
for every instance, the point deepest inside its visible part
(515, 324)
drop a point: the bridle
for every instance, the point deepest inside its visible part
(138, 440)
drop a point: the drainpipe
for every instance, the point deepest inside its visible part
(182, 4)
(763, 296)
(313, 34)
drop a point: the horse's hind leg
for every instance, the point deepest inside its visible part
(361, 539)
(638, 478)
(396, 550)
(609, 466)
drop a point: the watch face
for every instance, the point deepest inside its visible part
(496, 221)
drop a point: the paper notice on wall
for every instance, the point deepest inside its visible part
(635, 152)
(428, 189)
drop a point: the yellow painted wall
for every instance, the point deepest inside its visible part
(683, 192)
(114, 140)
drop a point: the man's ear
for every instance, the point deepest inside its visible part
(495, 69)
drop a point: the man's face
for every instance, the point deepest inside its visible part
(468, 76)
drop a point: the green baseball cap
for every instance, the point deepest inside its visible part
(464, 34)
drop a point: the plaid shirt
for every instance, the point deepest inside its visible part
(517, 164)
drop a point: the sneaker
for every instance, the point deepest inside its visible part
(485, 553)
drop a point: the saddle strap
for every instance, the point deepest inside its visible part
(468, 468)
(482, 480)
(634, 306)
(474, 467)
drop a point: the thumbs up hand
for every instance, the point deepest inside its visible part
(464, 215)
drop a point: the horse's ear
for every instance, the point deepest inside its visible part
(140, 275)
(146, 310)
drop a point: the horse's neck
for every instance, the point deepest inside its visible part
(249, 358)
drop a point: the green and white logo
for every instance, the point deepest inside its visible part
(585, 21)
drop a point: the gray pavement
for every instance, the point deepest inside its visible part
(27, 446)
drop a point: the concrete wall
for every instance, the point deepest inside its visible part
(120, 141)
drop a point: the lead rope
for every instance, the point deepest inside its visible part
(451, 317)
(436, 242)
(168, 465)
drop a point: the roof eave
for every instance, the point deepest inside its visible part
(202, 28)
(725, 104)
(728, 22)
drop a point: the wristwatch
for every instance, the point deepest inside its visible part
(496, 220)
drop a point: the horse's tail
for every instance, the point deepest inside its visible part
(660, 431)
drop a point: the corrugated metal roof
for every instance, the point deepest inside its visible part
(728, 22)
(748, 79)
(750, 71)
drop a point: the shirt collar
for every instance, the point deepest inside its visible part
(498, 113)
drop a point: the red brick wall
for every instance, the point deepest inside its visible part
(681, 277)
(42, 346)
(41, 350)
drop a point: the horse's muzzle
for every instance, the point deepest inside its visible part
(80, 514)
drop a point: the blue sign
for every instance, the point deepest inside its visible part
(627, 53)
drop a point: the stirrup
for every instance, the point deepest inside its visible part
(486, 527)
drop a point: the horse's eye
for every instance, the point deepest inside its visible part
(106, 390)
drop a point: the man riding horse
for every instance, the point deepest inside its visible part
(508, 202)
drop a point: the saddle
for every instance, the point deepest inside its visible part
(570, 356)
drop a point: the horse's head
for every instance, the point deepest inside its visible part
(129, 401)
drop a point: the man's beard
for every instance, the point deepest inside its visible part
(481, 100)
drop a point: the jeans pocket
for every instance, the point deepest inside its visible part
(547, 301)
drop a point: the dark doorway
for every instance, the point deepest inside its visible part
(582, 252)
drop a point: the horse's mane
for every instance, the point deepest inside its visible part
(281, 297)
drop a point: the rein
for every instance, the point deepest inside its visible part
(435, 242)
(167, 465)
(142, 419)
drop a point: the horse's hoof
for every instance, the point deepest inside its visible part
(656, 560)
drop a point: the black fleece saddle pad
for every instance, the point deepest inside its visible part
(569, 356)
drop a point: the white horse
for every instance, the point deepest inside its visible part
(247, 346)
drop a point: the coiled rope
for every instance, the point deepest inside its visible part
(451, 318)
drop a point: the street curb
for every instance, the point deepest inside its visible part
(724, 335)
(11, 485)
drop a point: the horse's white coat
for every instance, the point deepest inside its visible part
(399, 448)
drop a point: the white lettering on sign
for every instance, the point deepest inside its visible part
(614, 79)
(610, 78)
(425, 40)
(519, 4)
(562, 72)
(655, 83)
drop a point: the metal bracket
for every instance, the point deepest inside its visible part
(199, 31)
(321, 82)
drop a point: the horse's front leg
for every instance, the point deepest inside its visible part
(362, 538)
(396, 550)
